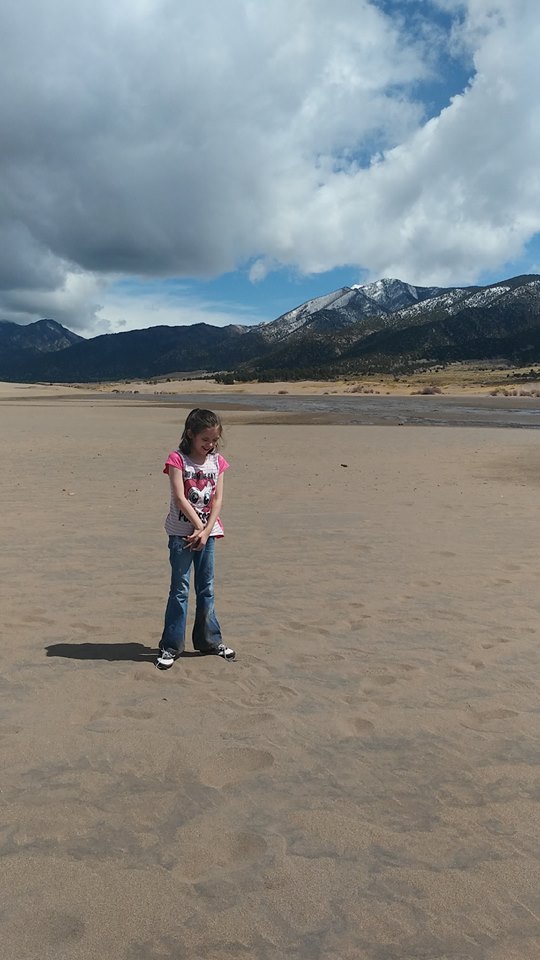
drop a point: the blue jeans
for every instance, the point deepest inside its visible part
(206, 630)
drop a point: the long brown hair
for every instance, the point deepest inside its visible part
(197, 421)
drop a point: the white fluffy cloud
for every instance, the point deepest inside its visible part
(461, 193)
(162, 139)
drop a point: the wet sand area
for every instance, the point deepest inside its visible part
(466, 411)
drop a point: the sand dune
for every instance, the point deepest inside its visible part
(361, 785)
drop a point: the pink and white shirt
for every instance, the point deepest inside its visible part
(200, 480)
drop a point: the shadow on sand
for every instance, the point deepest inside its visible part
(134, 652)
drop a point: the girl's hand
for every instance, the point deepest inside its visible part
(197, 539)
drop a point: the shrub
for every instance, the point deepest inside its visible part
(427, 391)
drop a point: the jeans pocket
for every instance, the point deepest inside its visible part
(176, 543)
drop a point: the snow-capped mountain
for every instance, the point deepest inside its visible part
(388, 324)
(394, 295)
(294, 319)
(351, 304)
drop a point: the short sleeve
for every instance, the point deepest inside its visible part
(222, 464)
(173, 460)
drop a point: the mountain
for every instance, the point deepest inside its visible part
(372, 302)
(20, 342)
(439, 325)
(388, 325)
(289, 322)
(146, 353)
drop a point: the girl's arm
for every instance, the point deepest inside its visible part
(177, 487)
(198, 538)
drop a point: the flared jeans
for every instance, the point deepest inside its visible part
(206, 633)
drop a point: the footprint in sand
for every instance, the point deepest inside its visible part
(355, 726)
(43, 930)
(467, 666)
(246, 846)
(361, 725)
(233, 766)
(203, 852)
(110, 721)
(278, 693)
(407, 667)
(481, 717)
(495, 643)
(359, 624)
(254, 719)
(105, 725)
(500, 714)
(384, 680)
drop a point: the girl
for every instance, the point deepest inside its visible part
(196, 478)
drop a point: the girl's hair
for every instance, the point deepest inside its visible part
(196, 422)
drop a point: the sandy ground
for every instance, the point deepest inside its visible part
(361, 785)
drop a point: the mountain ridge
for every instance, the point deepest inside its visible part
(388, 324)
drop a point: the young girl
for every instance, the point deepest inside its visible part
(196, 478)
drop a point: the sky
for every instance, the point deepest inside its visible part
(166, 162)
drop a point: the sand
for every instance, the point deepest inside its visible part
(361, 785)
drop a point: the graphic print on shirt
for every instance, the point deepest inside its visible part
(199, 489)
(200, 484)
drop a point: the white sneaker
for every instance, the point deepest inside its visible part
(165, 660)
(226, 652)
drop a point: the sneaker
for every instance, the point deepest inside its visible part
(165, 660)
(226, 652)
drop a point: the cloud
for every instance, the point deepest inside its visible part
(136, 306)
(460, 194)
(76, 301)
(156, 139)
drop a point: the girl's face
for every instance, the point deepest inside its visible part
(204, 443)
